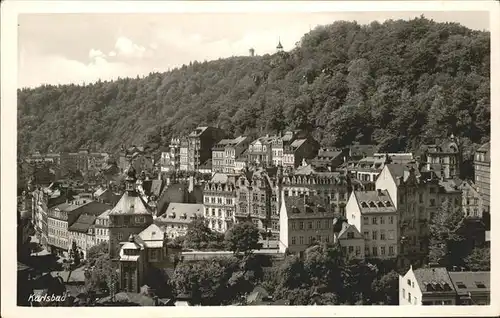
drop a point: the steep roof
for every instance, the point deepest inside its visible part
(378, 201)
(156, 187)
(152, 233)
(181, 213)
(297, 143)
(305, 208)
(83, 223)
(104, 215)
(130, 203)
(433, 280)
(349, 228)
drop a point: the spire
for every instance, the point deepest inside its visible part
(279, 48)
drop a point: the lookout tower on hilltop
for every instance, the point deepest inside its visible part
(279, 47)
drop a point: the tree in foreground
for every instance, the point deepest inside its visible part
(198, 234)
(97, 251)
(243, 238)
(443, 235)
(102, 276)
(479, 259)
(386, 288)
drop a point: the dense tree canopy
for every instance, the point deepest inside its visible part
(399, 83)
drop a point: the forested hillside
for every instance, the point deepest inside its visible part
(398, 84)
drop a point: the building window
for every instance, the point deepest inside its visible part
(382, 235)
(153, 254)
(301, 240)
(409, 298)
(391, 250)
(358, 250)
(310, 225)
(366, 234)
(374, 235)
(119, 237)
(382, 250)
(432, 202)
(365, 220)
(374, 220)
(382, 220)
(374, 251)
(293, 239)
(391, 234)
(292, 225)
(367, 251)
(301, 225)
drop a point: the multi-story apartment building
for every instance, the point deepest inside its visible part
(218, 155)
(82, 232)
(174, 222)
(131, 215)
(254, 193)
(472, 202)
(374, 215)
(445, 157)
(260, 151)
(142, 253)
(219, 200)
(200, 143)
(303, 221)
(482, 163)
(417, 196)
(299, 150)
(438, 286)
(175, 154)
(278, 144)
(184, 154)
(63, 216)
(234, 149)
(335, 187)
(102, 228)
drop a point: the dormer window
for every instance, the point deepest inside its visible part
(372, 204)
(364, 204)
(380, 204)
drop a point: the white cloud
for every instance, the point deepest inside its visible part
(112, 53)
(125, 47)
(95, 53)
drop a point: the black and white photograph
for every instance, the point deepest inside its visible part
(249, 157)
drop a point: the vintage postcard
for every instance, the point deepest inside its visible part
(290, 158)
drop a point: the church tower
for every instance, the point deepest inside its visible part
(130, 215)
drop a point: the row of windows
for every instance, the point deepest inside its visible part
(220, 213)
(292, 192)
(102, 232)
(57, 232)
(127, 219)
(310, 225)
(351, 250)
(376, 220)
(379, 251)
(301, 240)
(57, 223)
(214, 200)
(382, 235)
(103, 222)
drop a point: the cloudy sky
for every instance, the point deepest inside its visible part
(76, 48)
